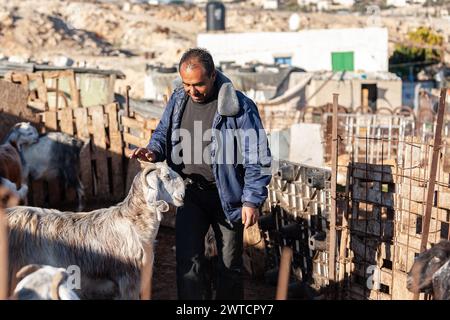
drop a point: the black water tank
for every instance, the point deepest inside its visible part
(215, 16)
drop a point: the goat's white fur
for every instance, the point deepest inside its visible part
(106, 244)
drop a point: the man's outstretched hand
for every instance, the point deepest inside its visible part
(249, 216)
(143, 154)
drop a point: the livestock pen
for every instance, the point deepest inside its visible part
(354, 226)
(356, 229)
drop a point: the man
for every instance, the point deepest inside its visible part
(213, 137)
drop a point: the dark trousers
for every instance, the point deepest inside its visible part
(201, 209)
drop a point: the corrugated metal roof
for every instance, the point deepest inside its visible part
(6, 66)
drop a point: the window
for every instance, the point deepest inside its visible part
(283, 60)
(342, 61)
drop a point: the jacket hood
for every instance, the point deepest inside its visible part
(227, 100)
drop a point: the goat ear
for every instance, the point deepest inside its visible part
(436, 259)
(22, 273)
(162, 206)
(148, 166)
(57, 281)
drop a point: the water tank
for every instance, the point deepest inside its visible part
(215, 16)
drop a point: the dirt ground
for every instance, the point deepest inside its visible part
(164, 280)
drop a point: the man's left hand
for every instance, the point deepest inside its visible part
(249, 216)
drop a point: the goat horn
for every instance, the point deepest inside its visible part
(22, 273)
(149, 166)
(56, 283)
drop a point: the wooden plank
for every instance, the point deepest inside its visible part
(374, 227)
(385, 199)
(411, 192)
(100, 152)
(404, 256)
(12, 96)
(399, 290)
(412, 224)
(419, 176)
(42, 90)
(111, 84)
(39, 105)
(373, 176)
(333, 211)
(81, 120)
(53, 74)
(405, 206)
(370, 250)
(373, 172)
(51, 120)
(115, 151)
(345, 233)
(132, 123)
(411, 241)
(74, 93)
(433, 170)
(443, 199)
(66, 123)
(13, 106)
(135, 141)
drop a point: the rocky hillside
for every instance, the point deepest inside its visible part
(126, 36)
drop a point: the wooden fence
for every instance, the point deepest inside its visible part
(108, 137)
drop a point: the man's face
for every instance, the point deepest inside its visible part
(196, 82)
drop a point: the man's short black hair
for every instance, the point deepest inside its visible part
(202, 56)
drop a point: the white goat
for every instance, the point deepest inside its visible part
(106, 244)
(22, 133)
(53, 155)
(43, 283)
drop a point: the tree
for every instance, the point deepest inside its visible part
(420, 50)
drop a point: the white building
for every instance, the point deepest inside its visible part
(270, 4)
(396, 3)
(328, 49)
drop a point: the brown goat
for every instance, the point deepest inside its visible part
(10, 164)
(425, 274)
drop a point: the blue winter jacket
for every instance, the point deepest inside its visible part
(238, 181)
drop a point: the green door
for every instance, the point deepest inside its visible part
(342, 61)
